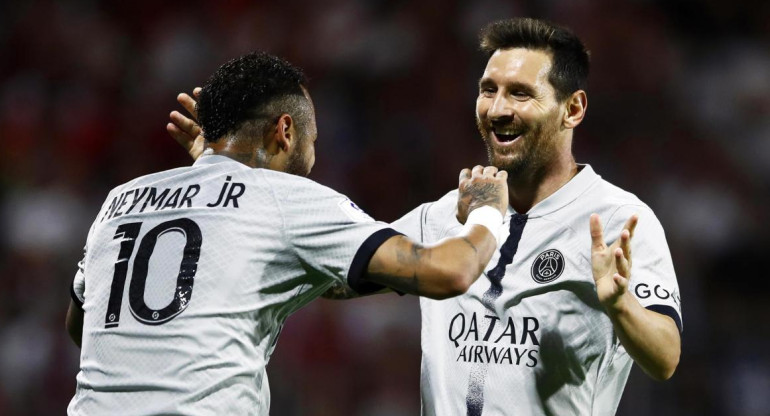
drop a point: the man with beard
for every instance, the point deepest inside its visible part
(556, 323)
(558, 319)
(221, 252)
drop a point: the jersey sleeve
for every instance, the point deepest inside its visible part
(653, 280)
(331, 235)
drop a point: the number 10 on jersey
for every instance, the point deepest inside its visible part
(184, 283)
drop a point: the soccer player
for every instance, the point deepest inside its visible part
(189, 274)
(556, 323)
(558, 319)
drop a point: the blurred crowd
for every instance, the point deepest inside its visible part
(679, 114)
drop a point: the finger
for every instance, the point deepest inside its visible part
(477, 170)
(181, 137)
(501, 174)
(465, 174)
(489, 171)
(631, 224)
(188, 103)
(197, 92)
(621, 283)
(625, 243)
(185, 124)
(622, 264)
(597, 237)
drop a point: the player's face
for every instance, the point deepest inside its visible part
(517, 113)
(302, 158)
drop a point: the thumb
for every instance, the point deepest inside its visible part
(621, 283)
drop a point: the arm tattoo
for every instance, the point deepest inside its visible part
(402, 284)
(473, 246)
(409, 258)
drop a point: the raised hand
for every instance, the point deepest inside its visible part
(611, 265)
(479, 187)
(185, 130)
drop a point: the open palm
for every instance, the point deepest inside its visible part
(611, 265)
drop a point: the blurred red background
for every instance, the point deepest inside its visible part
(679, 113)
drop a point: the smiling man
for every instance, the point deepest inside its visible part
(556, 322)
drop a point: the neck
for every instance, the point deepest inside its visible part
(236, 150)
(528, 189)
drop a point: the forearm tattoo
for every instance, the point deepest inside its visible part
(401, 274)
(470, 243)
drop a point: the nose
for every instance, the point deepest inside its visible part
(502, 107)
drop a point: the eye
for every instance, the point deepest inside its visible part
(520, 95)
(487, 91)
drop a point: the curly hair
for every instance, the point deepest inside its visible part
(569, 72)
(251, 88)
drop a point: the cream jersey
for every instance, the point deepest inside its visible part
(187, 279)
(530, 336)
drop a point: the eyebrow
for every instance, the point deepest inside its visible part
(527, 88)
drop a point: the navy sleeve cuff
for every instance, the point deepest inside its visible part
(361, 260)
(75, 297)
(668, 311)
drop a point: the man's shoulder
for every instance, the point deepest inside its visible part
(295, 187)
(606, 195)
(235, 170)
(448, 202)
(612, 202)
(441, 215)
(442, 209)
(149, 179)
(612, 194)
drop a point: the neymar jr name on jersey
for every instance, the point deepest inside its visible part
(156, 199)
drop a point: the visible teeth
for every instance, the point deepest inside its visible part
(506, 132)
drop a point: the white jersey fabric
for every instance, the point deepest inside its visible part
(530, 336)
(188, 277)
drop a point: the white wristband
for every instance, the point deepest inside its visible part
(487, 216)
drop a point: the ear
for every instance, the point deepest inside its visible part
(576, 106)
(282, 137)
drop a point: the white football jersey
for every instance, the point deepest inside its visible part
(530, 337)
(188, 277)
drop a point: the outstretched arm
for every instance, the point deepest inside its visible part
(449, 267)
(438, 271)
(652, 339)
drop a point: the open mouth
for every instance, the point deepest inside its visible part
(506, 137)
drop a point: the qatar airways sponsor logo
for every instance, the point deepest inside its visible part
(489, 339)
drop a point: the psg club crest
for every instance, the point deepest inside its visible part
(548, 266)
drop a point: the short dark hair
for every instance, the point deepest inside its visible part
(247, 89)
(569, 72)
